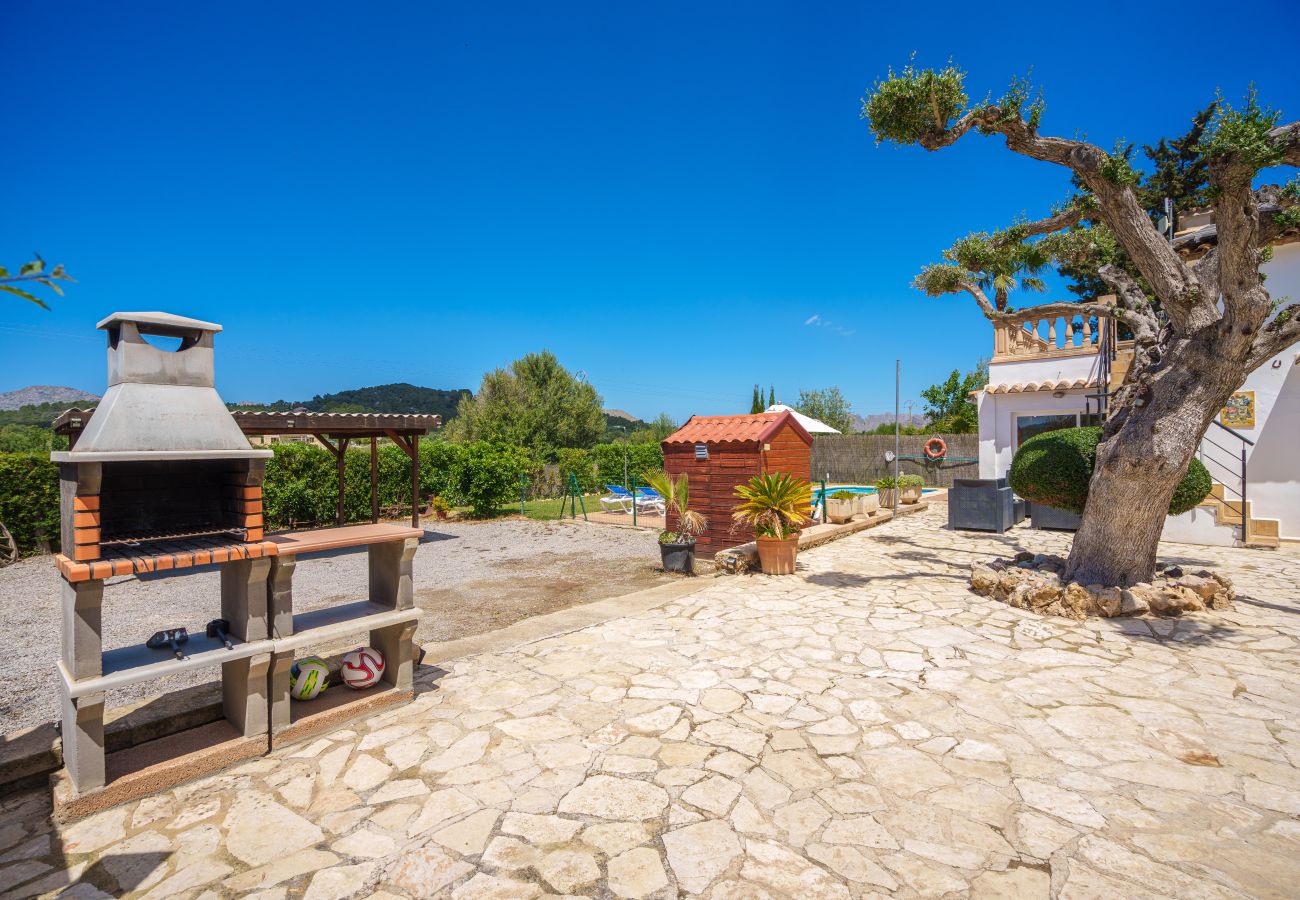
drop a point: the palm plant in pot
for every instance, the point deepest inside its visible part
(677, 547)
(776, 506)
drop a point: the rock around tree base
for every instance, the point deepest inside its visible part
(1033, 581)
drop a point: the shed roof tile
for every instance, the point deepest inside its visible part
(752, 428)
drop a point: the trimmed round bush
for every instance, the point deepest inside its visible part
(1054, 468)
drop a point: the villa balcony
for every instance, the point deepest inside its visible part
(1074, 340)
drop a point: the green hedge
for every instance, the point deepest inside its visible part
(641, 458)
(1054, 468)
(29, 499)
(301, 485)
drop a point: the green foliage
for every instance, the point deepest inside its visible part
(887, 483)
(1117, 168)
(938, 279)
(1288, 218)
(535, 403)
(29, 499)
(38, 414)
(1013, 102)
(639, 458)
(1055, 468)
(485, 475)
(909, 105)
(756, 401)
(842, 495)
(24, 439)
(829, 406)
(581, 464)
(32, 273)
(1244, 133)
(771, 395)
(774, 505)
(301, 486)
(948, 404)
(888, 428)
(1179, 169)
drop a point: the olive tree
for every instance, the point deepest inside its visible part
(1200, 327)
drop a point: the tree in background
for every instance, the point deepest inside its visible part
(1212, 321)
(828, 405)
(888, 428)
(33, 273)
(948, 404)
(756, 402)
(771, 395)
(535, 403)
(660, 427)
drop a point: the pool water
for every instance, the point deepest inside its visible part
(819, 495)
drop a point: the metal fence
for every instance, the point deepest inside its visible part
(860, 458)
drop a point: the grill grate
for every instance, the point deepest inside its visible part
(135, 539)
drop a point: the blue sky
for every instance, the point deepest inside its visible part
(677, 198)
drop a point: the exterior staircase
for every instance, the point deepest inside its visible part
(1234, 513)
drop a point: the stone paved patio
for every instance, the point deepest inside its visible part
(866, 728)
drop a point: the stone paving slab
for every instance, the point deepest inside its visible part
(866, 728)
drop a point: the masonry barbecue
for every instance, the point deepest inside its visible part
(160, 471)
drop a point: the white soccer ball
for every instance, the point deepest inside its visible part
(308, 678)
(362, 668)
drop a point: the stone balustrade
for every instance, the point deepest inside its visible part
(1031, 335)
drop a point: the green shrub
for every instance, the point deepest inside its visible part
(843, 495)
(486, 475)
(29, 499)
(641, 458)
(579, 463)
(1055, 468)
(887, 483)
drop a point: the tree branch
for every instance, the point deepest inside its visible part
(1276, 336)
(1042, 310)
(1138, 314)
(1071, 215)
(1236, 221)
(1288, 136)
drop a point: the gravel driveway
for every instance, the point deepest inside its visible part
(470, 578)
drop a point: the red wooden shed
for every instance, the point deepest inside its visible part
(720, 452)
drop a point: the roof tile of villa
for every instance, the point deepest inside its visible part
(755, 427)
(1022, 388)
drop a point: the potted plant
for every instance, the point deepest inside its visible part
(841, 506)
(909, 487)
(677, 548)
(868, 503)
(440, 508)
(776, 506)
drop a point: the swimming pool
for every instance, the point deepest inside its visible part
(818, 495)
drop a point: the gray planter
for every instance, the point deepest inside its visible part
(678, 557)
(1044, 516)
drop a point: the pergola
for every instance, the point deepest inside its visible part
(336, 431)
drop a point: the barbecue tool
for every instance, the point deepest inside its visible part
(169, 637)
(220, 629)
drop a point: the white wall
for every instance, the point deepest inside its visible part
(997, 418)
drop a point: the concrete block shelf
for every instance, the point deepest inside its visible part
(131, 665)
(389, 615)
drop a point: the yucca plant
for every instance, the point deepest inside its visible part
(774, 505)
(677, 500)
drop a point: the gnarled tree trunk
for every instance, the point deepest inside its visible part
(1153, 432)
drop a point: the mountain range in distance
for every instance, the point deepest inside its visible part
(38, 394)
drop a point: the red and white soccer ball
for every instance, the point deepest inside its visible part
(362, 668)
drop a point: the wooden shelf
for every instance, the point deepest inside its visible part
(131, 665)
(337, 621)
(291, 543)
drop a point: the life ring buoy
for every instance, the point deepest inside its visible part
(935, 448)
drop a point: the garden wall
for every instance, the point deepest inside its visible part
(860, 458)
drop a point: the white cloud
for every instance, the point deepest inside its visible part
(816, 319)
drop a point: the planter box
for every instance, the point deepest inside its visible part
(840, 511)
(867, 504)
(910, 495)
(1045, 516)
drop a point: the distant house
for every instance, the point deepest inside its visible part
(1050, 373)
(810, 425)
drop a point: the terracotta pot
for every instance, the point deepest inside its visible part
(776, 556)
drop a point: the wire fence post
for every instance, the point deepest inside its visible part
(823, 501)
(523, 491)
(633, 483)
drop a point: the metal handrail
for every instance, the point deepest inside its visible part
(1232, 431)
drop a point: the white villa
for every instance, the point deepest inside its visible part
(1047, 373)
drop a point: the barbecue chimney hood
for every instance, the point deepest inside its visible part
(161, 404)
